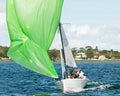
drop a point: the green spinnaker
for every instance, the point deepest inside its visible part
(32, 25)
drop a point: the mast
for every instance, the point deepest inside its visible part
(63, 51)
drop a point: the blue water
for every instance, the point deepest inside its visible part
(18, 81)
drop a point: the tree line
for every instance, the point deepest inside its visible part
(88, 50)
(3, 52)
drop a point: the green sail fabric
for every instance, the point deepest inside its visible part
(32, 25)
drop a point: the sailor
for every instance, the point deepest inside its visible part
(75, 73)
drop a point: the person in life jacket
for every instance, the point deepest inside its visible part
(75, 73)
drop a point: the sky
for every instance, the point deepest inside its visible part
(86, 23)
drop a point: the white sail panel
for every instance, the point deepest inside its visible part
(67, 51)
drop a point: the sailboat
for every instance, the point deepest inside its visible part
(32, 26)
(75, 80)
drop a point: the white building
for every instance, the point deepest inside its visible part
(102, 57)
(80, 56)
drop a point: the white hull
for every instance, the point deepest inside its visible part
(68, 85)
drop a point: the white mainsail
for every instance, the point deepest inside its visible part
(67, 51)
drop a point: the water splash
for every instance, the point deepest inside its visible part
(98, 86)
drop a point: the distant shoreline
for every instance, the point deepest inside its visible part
(6, 61)
(97, 60)
(75, 61)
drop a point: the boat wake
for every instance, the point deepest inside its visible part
(98, 85)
